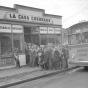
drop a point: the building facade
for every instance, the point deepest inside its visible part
(78, 33)
(26, 24)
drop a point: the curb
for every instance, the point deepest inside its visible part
(38, 77)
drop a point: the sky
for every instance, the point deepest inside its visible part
(72, 11)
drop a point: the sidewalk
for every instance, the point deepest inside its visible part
(15, 76)
(14, 71)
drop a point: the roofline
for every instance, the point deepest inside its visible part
(16, 6)
(58, 16)
(7, 8)
(77, 24)
(38, 9)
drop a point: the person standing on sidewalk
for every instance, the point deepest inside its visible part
(16, 57)
(31, 56)
(46, 58)
(41, 58)
(27, 49)
(56, 61)
(66, 55)
(63, 64)
(36, 58)
(58, 58)
(50, 58)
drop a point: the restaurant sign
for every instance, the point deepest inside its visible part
(8, 28)
(28, 18)
(43, 30)
(57, 31)
(35, 30)
(5, 28)
(17, 28)
(50, 30)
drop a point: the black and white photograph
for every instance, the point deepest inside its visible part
(43, 43)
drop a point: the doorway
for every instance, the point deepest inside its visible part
(27, 34)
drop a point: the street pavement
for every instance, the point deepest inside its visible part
(75, 78)
(15, 76)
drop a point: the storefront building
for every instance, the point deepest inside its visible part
(26, 24)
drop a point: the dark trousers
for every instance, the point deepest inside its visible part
(58, 64)
(66, 60)
(17, 63)
(27, 59)
(46, 65)
(50, 63)
(36, 61)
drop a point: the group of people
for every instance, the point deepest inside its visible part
(48, 56)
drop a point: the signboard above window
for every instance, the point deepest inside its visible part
(8, 28)
(17, 29)
(57, 31)
(76, 31)
(50, 30)
(34, 30)
(27, 18)
(43, 30)
(5, 28)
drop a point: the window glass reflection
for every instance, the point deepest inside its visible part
(43, 39)
(51, 38)
(58, 39)
(74, 39)
(18, 42)
(6, 43)
(35, 39)
(85, 37)
(78, 38)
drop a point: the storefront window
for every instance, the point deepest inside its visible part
(27, 34)
(69, 40)
(44, 39)
(58, 39)
(51, 38)
(18, 41)
(78, 39)
(85, 37)
(74, 39)
(6, 43)
(35, 39)
(27, 38)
